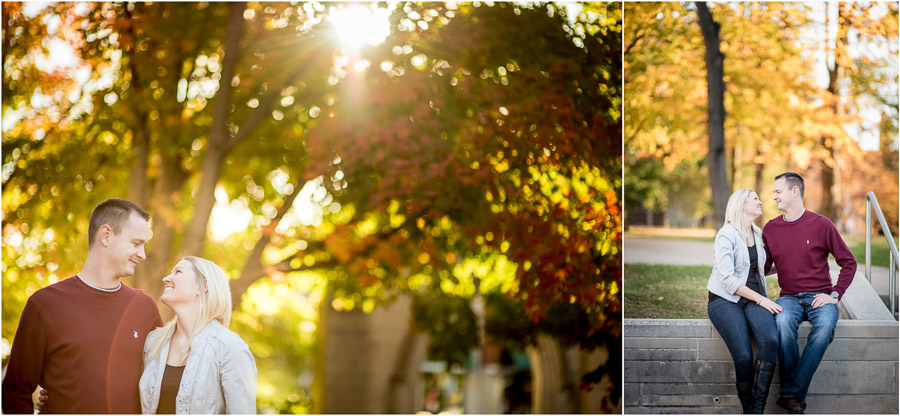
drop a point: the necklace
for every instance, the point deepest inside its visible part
(177, 350)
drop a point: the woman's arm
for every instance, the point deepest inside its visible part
(724, 257)
(760, 300)
(238, 375)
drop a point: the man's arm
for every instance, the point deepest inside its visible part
(769, 268)
(26, 362)
(842, 256)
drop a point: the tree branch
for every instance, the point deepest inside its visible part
(263, 111)
(195, 232)
(633, 43)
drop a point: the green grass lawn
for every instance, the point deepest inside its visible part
(880, 251)
(670, 292)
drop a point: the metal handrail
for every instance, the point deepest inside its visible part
(895, 258)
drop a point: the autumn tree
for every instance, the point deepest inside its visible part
(715, 85)
(858, 81)
(454, 142)
(776, 105)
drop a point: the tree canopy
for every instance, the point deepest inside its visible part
(456, 151)
(781, 114)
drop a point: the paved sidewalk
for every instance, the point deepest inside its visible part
(684, 252)
(667, 251)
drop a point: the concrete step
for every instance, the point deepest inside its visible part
(682, 366)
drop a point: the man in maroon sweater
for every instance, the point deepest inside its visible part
(798, 243)
(82, 339)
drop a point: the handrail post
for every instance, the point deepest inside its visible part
(893, 284)
(868, 239)
(894, 256)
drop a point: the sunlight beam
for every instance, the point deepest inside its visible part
(358, 25)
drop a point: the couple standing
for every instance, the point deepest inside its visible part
(797, 244)
(98, 346)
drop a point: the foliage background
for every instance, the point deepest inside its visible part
(804, 83)
(453, 149)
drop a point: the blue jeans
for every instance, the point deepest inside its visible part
(796, 370)
(734, 321)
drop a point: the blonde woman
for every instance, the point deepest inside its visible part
(738, 302)
(194, 364)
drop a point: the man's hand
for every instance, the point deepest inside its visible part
(823, 299)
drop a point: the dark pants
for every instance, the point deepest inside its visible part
(734, 322)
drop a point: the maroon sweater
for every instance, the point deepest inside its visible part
(800, 251)
(83, 345)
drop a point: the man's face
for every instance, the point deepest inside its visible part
(782, 195)
(126, 249)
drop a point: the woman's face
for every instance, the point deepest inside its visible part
(180, 286)
(753, 206)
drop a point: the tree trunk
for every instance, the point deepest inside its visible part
(758, 181)
(734, 168)
(137, 177)
(828, 206)
(218, 144)
(253, 268)
(718, 178)
(138, 187)
(165, 222)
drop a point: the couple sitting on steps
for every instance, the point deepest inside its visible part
(797, 244)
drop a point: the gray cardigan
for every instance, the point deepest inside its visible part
(732, 263)
(219, 375)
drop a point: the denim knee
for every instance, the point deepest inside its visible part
(784, 323)
(743, 359)
(766, 341)
(823, 335)
(824, 324)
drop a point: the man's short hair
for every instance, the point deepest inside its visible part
(792, 179)
(113, 212)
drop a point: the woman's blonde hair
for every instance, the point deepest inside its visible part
(215, 304)
(734, 211)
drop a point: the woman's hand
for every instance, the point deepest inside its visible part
(760, 300)
(769, 305)
(40, 398)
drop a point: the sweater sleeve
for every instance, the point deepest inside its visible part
(842, 256)
(26, 362)
(769, 262)
(238, 376)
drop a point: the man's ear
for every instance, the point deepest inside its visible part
(104, 234)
